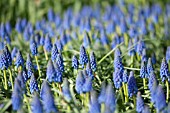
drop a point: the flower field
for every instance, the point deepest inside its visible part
(111, 58)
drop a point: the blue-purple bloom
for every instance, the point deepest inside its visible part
(83, 56)
(50, 72)
(164, 72)
(102, 95)
(93, 61)
(47, 43)
(33, 85)
(117, 78)
(66, 90)
(8, 55)
(80, 80)
(16, 96)
(125, 76)
(132, 86)
(75, 62)
(168, 53)
(139, 103)
(47, 98)
(143, 70)
(19, 59)
(60, 62)
(33, 48)
(54, 52)
(36, 106)
(87, 87)
(149, 66)
(14, 52)
(3, 60)
(160, 101)
(94, 104)
(110, 101)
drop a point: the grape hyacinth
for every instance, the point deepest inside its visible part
(33, 48)
(152, 80)
(160, 101)
(36, 106)
(168, 54)
(80, 80)
(16, 96)
(50, 72)
(19, 60)
(75, 62)
(29, 66)
(66, 90)
(89, 70)
(164, 72)
(117, 78)
(101, 97)
(87, 87)
(132, 87)
(60, 62)
(3, 61)
(149, 66)
(83, 56)
(47, 43)
(139, 103)
(8, 55)
(58, 76)
(110, 101)
(143, 70)
(93, 61)
(125, 76)
(33, 85)
(54, 52)
(13, 53)
(94, 104)
(47, 98)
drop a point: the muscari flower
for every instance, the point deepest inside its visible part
(110, 100)
(75, 62)
(50, 72)
(19, 59)
(146, 109)
(160, 101)
(21, 80)
(3, 60)
(8, 55)
(144, 57)
(117, 78)
(152, 80)
(13, 53)
(94, 104)
(149, 66)
(164, 72)
(132, 86)
(140, 47)
(48, 44)
(66, 90)
(29, 66)
(1, 45)
(89, 70)
(139, 103)
(168, 53)
(36, 106)
(47, 98)
(118, 60)
(93, 61)
(59, 45)
(87, 87)
(125, 76)
(143, 70)
(60, 62)
(80, 80)
(54, 52)
(16, 96)
(25, 75)
(33, 48)
(58, 76)
(33, 84)
(101, 97)
(83, 56)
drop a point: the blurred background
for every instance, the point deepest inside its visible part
(34, 10)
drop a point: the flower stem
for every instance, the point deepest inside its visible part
(134, 100)
(10, 73)
(120, 90)
(36, 58)
(167, 90)
(125, 92)
(5, 79)
(46, 56)
(144, 84)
